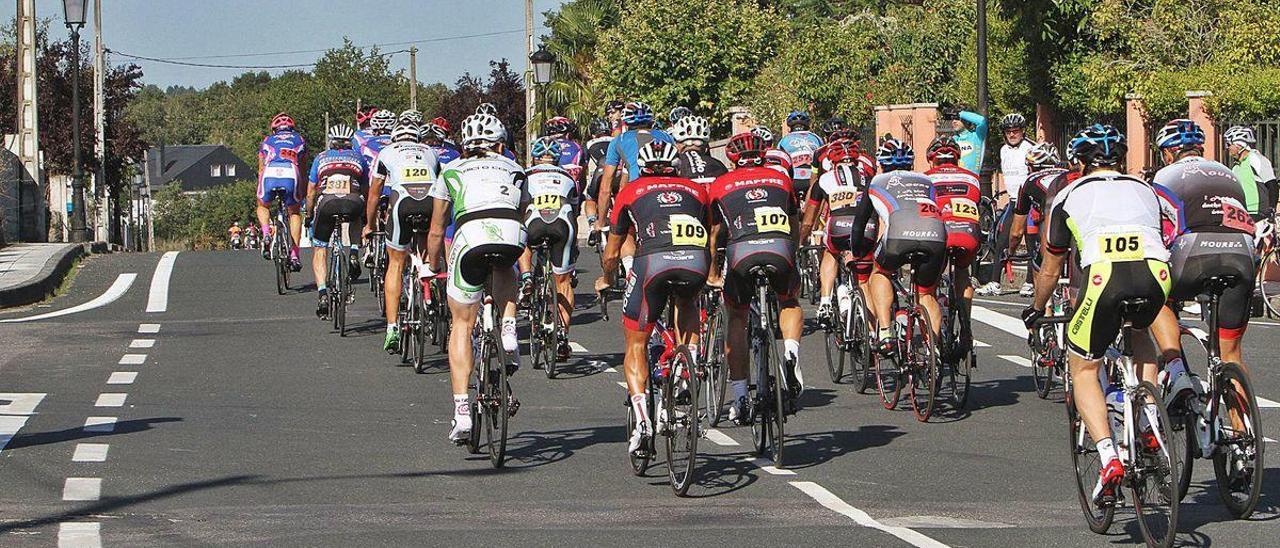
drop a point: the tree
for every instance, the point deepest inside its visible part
(576, 30)
(503, 88)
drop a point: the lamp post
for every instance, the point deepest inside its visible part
(983, 101)
(74, 13)
(542, 61)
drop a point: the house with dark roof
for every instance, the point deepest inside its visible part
(197, 167)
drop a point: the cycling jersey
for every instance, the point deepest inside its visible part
(801, 145)
(624, 148)
(699, 166)
(1255, 172)
(572, 158)
(551, 193)
(778, 160)
(281, 156)
(481, 187)
(597, 150)
(1112, 216)
(973, 143)
(406, 163)
(1013, 165)
(903, 201)
(339, 171)
(842, 188)
(665, 213)
(372, 145)
(1207, 195)
(1039, 189)
(753, 202)
(957, 193)
(446, 152)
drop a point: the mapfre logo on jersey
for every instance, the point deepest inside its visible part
(668, 198)
(756, 194)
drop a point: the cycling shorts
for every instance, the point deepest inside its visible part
(962, 242)
(562, 241)
(408, 201)
(742, 256)
(348, 206)
(1097, 321)
(838, 235)
(801, 188)
(481, 246)
(1195, 257)
(655, 278)
(288, 184)
(914, 235)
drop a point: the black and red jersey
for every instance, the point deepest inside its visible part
(753, 201)
(957, 192)
(665, 213)
(1039, 189)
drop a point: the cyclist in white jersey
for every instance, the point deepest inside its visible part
(483, 189)
(409, 169)
(551, 216)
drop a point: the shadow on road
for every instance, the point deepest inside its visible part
(809, 450)
(532, 448)
(79, 433)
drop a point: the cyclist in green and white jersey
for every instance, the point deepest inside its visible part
(1256, 174)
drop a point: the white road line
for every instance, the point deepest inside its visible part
(1019, 360)
(1268, 440)
(622, 384)
(80, 534)
(158, 300)
(20, 403)
(833, 503)
(996, 302)
(577, 348)
(142, 343)
(82, 489)
(610, 370)
(117, 289)
(720, 438)
(133, 359)
(9, 427)
(1006, 323)
(980, 344)
(100, 424)
(122, 377)
(90, 452)
(110, 400)
(148, 328)
(1264, 403)
(771, 469)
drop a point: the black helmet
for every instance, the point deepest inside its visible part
(832, 125)
(599, 127)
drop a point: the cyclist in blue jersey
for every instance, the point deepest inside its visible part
(436, 136)
(380, 126)
(280, 160)
(337, 187)
(622, 153)
(571, 154)
(362, 133)
(800, 144)
(971, 135)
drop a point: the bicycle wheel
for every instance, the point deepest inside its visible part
(1270, 290)
(1238, 463)
(1087, 464)
(1042, 364)
(888, 379)
(280, 257)
(496, 428)
(442, 316)
(551, 319)
(760, 393)
(835, 347)
(1157, 467)
(479, 403)
(860, 343)
(781, 398)
(423, 325)
(680, 401)
(956, 373)
(342, 287)
(922, 365)
(710, 357)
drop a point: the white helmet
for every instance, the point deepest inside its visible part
(1239, 135)
(482, 131)
(692, 128)
(656, 156)
(764, 133)
(406, 131)
(487, 108)
(383, 120)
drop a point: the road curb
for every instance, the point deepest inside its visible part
(55, 270)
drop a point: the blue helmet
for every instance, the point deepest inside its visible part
(1180, 133)
(636, 112)
(798, 119)
(895, 154)
(1099, 145)
(546, 146)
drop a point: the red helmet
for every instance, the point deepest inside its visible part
(442, 123)
(842, 151)
(362, 117)
(944, 148)
(746, 148)
(282, 121)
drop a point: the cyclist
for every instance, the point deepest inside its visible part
(693, 135)
(337, 188)
(623, 153)
(552, 217)
(1009, 179)
(410, 116)
(508, 140)
(409, 168)
(280, 163)
(667, 215)
(483, 192)
(957, 192)
(1045, 180)
(613, 114)
(677, 114)
(597, 150)
(571, 158)
(362, 133)
(909, 221)
(800, 144)
(233, 234)
(755, 208)
(1214, 237)
(1113, 220)
(1257, 176)
(436, 136)
(832, 125)
(837, 193)
(380, 125)
(970, 134)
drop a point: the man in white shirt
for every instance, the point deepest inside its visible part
(1009, 178)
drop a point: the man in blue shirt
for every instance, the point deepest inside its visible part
(971, 135)
(623, 150)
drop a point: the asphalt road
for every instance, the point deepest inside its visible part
(228, 415)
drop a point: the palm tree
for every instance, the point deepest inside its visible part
(575, 31)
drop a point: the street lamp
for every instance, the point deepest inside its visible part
(542, 61)
(74, 13)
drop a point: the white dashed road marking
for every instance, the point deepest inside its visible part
(20, 403)
(1019, 360)
(720, 438)
(833, 503)
(100, 424)
(148, 328)
(158, 300)
(122, 377)
(117, 289)
(577, 348)
(980, 344)
(1008, 324)
(1265, 403)
(90, 452)
(133, 359)
(110, 400)
(82, 489)
(80, 535)
(142, 343)
(763, 464)
(9, 427)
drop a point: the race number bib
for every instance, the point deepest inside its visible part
(545, 202)
(964, 208)
(803, 173)
(929, 209)
(1234, 216)
(337, 184)
(772, 219)
(416, 174)
(686, 230)
(843, 199)
(280, 172)
(1125, 246)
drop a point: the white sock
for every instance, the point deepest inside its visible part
(824, 300)
(1175, 367)
(1106, 451)
(510, 342)
(641, 408)
(392, 327)
(739, 388)
(791, 350)
(627, 262)
(462, 406)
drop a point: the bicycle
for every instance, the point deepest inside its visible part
(1151, 465)
(770, 399)
(378, 274)
(545, 323)
(415, 316)
(958, 362)
(839, 331)
(711, 335)
(1268, 266)
(1224, 424)
(281, 240)
(809, 262)
(915, 358)
(1049, 343)
(340, 291)
(494, 404)
(990, 222)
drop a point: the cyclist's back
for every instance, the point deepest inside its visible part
(624, 148)
(801, 145)
(699, 166)
(409, 170)
(550, 217)
(957, 193)
(1039, 189)
(485, 193)
(903, 201)
(756, 205)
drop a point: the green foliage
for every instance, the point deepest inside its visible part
(576, 29)
(202, 217)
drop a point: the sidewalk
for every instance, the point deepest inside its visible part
(31, 272)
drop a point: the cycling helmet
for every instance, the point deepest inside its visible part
(1100, 145)
(746, 148)
(443, 124)
(843, 134)
(656, 157)
(487, 108)
(1179, 133)
(895, 154)
(637, 113)
(546, 146)
(340, 133)
(678, 114)
(798, 120)
(1070, 153)
(557, 126)
(1239, 135)
(599, 127)
(832, 125)
(411, 116)
(692, 128)
(383, 120)
(944, 149)
(406, 131)
(282, 122)
(1013, 120)
(363, 116)
(1041, 156)
(765, 134)
(482, 131)
(613, 106)
(843, 151)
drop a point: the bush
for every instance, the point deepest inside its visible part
(199, 220)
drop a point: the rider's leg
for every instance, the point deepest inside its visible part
(881, 299)
(295, 229)
(460, 360)
(264, 217)
(504, 296)
(635, 368)
(1168, 337)
(827, 274)
(929, 301)
(393, 284)
(564, 292)
(735, 341)
(1089, 400)
(320, 267)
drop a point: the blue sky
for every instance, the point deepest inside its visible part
(186, 28)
